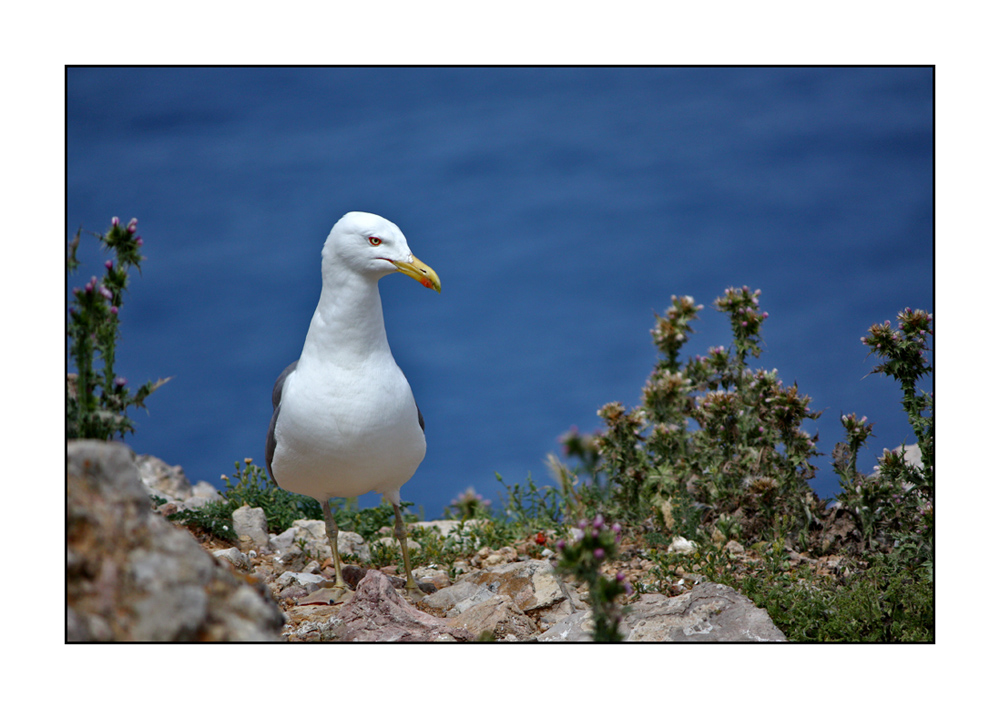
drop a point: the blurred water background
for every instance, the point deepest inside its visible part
(561, 207)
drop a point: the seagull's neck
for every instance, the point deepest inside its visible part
(348, 321)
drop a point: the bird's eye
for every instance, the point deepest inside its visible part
(374, 240)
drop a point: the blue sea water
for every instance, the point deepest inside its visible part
(561, 207)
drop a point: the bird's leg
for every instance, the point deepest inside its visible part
(411, 590)
(340, 587)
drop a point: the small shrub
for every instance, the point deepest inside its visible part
(712, 439)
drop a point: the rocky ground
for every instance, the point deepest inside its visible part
(132, 575)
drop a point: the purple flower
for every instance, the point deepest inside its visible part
(105, 292)
(120, 382)
(138, 241)
(561, 544)
(616, 528)
(598, 553)
(131, 225)
(619, 576)
(114, 310)
(744, 323)
(598, 521)
(89, 287)
(108, 264)
(114, 221)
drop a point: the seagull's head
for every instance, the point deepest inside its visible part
(373, 246)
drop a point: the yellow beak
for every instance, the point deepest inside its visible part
(420, 271)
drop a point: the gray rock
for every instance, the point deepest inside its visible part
(533, 584)
(448, 527)
(576, 628)
(312, 534)
(377, 613)
(133, 576)
(301, 578)
(201, 494)
(168, 481)
(709, 613)
(459, 597)
(250, 526)
(393, 543)
(234, 556)
(499, 617)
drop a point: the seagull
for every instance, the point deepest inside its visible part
(345, 421)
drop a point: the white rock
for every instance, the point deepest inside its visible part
(300, 578)
(234, 556)
(680, 545)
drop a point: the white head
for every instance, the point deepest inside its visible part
(372, 246)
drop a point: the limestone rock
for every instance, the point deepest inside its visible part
(532, 584)
(377, 613)
(234, 556)
(448, 527)
(393, 543)
(459, 597)
(133, 576)
(710, 613)
(167, 481)
(499, 617)
(250, 527)
(312, 534)
(680, 545)
(576, 628)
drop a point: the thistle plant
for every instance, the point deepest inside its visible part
(712, 437)
(895, 506)
(902, 354)
(468, 505)
(98, 398)
(594, 543)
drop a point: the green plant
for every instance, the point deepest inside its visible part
(593, 544)
(252, 486)
(98, 399)
(712, 438)
(529, 509)
(215, 518)
(902, 355)
(894, 507)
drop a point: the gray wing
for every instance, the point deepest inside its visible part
(276, 403)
